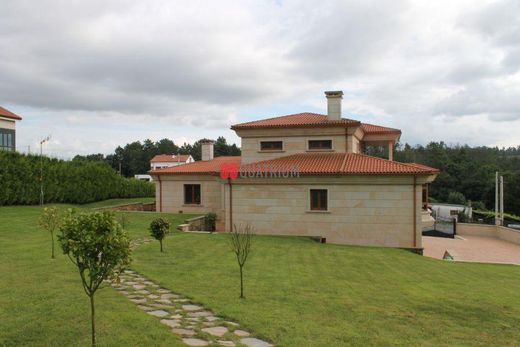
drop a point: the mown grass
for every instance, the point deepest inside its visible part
(42, 302)
(298, 292)
(302, 293)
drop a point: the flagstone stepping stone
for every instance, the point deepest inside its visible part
(148, 283)
(172, 323)
(181, 300)
(163, 291)
(143, 292)
(158, 313)
(193, 319)
(138, 301)
(200, 314)
(131, 283)
(208, 324)
(216, 331)
(176, 316)
(145, 308)
(162, 306)
(192, 307)
(139, 286)
(226, 343)
(253, 342)
(195, 342)
(241, 333)
(163, 301)
(153, 296)
(212, 318)
(169, 296)
(183, 332)
(129, 272)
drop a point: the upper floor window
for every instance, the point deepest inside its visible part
(192, 194)
(320, 144)
(271, 145)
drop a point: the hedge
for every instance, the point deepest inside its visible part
(64, 181)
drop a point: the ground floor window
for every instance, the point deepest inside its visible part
(319, 200)
(192, 194)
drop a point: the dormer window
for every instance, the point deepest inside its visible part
(320, 145)
(271, 145)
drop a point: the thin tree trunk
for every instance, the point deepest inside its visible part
(52, 238)
(241, 284)
(92, 311)
(160, 241)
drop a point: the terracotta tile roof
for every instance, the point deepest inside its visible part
(341, 164)
(308, 119)
(308, 164)
(377, 129)
(296, 120)
(204, 167)
(8, 114)
(170, 158)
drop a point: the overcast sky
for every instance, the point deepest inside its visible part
(97, 74)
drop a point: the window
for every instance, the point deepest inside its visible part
(319, 201)
(192, 194)
(320, 144)
(271, 145)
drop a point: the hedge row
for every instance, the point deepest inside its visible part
(75, 182)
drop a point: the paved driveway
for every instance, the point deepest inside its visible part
(473, 248)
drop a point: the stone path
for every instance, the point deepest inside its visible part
(191, 322)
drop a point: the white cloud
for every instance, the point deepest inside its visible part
(102, 73)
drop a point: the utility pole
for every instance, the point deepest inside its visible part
(497, 218)
(502, 200)
(45, 140)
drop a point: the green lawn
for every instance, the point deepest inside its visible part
(298, 292)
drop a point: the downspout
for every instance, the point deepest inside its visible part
(414, 211)
(230, 205)
(160, 192)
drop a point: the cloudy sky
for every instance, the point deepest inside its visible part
(99, 73)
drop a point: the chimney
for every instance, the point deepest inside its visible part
(334, 104)
(207, 149)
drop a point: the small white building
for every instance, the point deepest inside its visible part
(170, 160)
(449, 211)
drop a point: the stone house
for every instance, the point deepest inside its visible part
(8, 129)
(305, 174)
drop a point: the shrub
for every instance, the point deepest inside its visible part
(50, 221)
(456, 198)
(210, 220)
(159, 228)
(76, 182)
(99, 248)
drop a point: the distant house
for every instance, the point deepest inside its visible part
(8, 129)
(161, 161)
(170, 160)
(449, 211)
(306, 174)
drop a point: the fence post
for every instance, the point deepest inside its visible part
(454, 227)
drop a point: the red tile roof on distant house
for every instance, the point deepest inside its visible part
(296, 120)
(8, 114)
(170, 158)
(308, 164)
(204, 167)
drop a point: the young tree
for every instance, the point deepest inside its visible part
(159, 228)
(241, 238)
(50, 221)
(98, 246)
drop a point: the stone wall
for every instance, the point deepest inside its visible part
(487, 230)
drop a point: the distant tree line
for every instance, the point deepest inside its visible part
(64, 181)
(467, 173)
(134, 158)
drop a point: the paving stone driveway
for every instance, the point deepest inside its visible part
(194, 324)
(473, 249)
